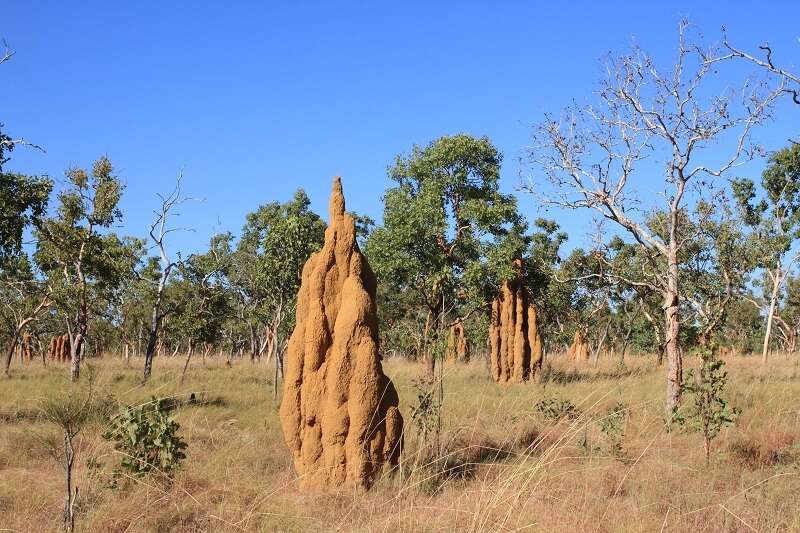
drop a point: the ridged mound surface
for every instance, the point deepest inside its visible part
(457, 345)
(59, 349)
(339, 411)
(515, 348)
(579, 351)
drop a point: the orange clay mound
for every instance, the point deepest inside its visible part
(339, 412)
(59, 349)
(579, 351)
(515, 348)
(457, 346)
(26, 350)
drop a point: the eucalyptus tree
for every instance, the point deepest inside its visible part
(448, 236)
(598, 157)
(24, 298)
(266, 267)
(81, 259)
(585, 295)
(23, 204)
(774, 215)
(788, 317)
(136, 301)
(629, 269)
(542, 261)
(199, 300)
(716, 266)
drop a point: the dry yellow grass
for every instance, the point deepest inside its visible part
(502, 466)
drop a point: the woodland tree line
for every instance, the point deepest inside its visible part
(708, 261)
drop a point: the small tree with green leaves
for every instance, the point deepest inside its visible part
(449, 235)
(265, 271)
(775, 223)
(147, 438)
(612, 425)
(557, 409)
(82, 260)
(706, 411)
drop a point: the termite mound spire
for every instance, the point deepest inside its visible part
(515, 348)
(339, 412)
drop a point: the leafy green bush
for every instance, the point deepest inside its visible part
(425, 414)
(612, 425)
(707, 411)
(555, 409)
(147, 438)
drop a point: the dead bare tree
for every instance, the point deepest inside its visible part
(159, 230)
(6, 142)
(593, 156)
(790, 79)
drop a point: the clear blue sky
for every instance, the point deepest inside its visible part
(255, 99)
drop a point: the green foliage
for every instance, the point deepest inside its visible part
(777, 212)
(73, 409)
(265, 269)
(705, 409)
(448, 236)
(147, 438)
(556, 409)
(197, 299)
(23, 202)
(425, 414)
(83, 261)
(444, 219)
(612, 425)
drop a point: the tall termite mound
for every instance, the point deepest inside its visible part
(515, 348)
(579, 351)
(457, 345)
(339, 411)
(26, 347)
(59, 349)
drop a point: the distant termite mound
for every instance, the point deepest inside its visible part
(25, 347)
(579, 351)
(515, 349)
(59, 349)
(339, 411)
(457, 345)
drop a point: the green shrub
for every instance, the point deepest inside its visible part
(147, 438)
(555, 409)
(706, 411)
(612, 425)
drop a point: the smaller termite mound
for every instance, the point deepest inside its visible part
(59, 349)
(579, 351)
(457, 344)
(26, 347)
(515, 347)
(339, 411)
